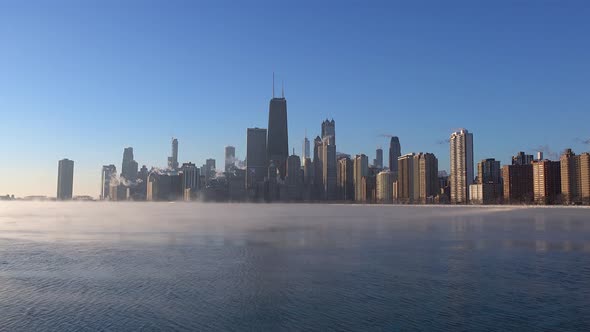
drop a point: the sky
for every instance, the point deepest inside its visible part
(85, 79)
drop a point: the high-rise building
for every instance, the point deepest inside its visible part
(489, 177)
(230, 158)
(305, 151)
(425, 177)
(329, 130)
(308, 171)
(405, 179)
(369, 188)
(328, 160)
(345, 179)
(190, 180)
(65, 179)
(575, 177)
(395, 151)
(489, 171)
(277, 143)
(173, 159)
(361, 169)
(329, 172)
(129, 165)
(522, 159)
(546, 181)
(378, 162)
(164, 186)
(518, 183)
(108, 172)
(210, 170)
(461, 143)
(384, 187)
(256, 161)
(293, 180)
(318, 178)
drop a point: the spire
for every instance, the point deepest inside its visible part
(273, 84)
(283, 89)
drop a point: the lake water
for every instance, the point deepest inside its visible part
(175, 266)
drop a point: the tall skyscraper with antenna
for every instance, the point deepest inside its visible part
(277, 142)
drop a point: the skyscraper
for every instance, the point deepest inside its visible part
(327, 155)
(329, 168)
(361, 169)
(293, 180)
(395, 151)
(461, 143)
(318, 187)
(378, 162)
(129, 165)
(230, 158)
(277, 143)
(305, 151)
(405, 179)
(256, 160)
(425, 177)
(489, 171)
(522, 159)
(190, 179)
(384, 187)
(65, 179)
(489, 182)
(546, 181)
(210, 170)
(518, 183)
(329, 130)
(345, 179)
(108, 172)
(575, 177)
(173, 159)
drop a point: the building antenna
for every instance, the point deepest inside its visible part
(273, 84)
(283, 89)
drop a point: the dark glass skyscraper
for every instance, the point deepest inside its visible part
(129, 166)
(378, 162)
(277, 142)
(65, 179)
(256, 160)
(395, 151)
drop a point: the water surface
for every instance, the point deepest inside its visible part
(174, 266)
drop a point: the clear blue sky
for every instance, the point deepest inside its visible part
(84, 79)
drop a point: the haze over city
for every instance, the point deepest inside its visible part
(84, 81)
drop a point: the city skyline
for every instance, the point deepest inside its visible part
(205, 89)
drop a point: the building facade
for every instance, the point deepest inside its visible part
(65, 179)
(361, 169)
(518, 183)
(384, 187)
(575, 177)
(345, 179)
(395, 151)
(462, 172)
(277, 143)
(256, 160)
(108, 172)
(230, 158)
(546, 181)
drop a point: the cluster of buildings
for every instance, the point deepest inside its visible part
(271, 174)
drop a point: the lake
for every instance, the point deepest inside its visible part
(183, 266)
